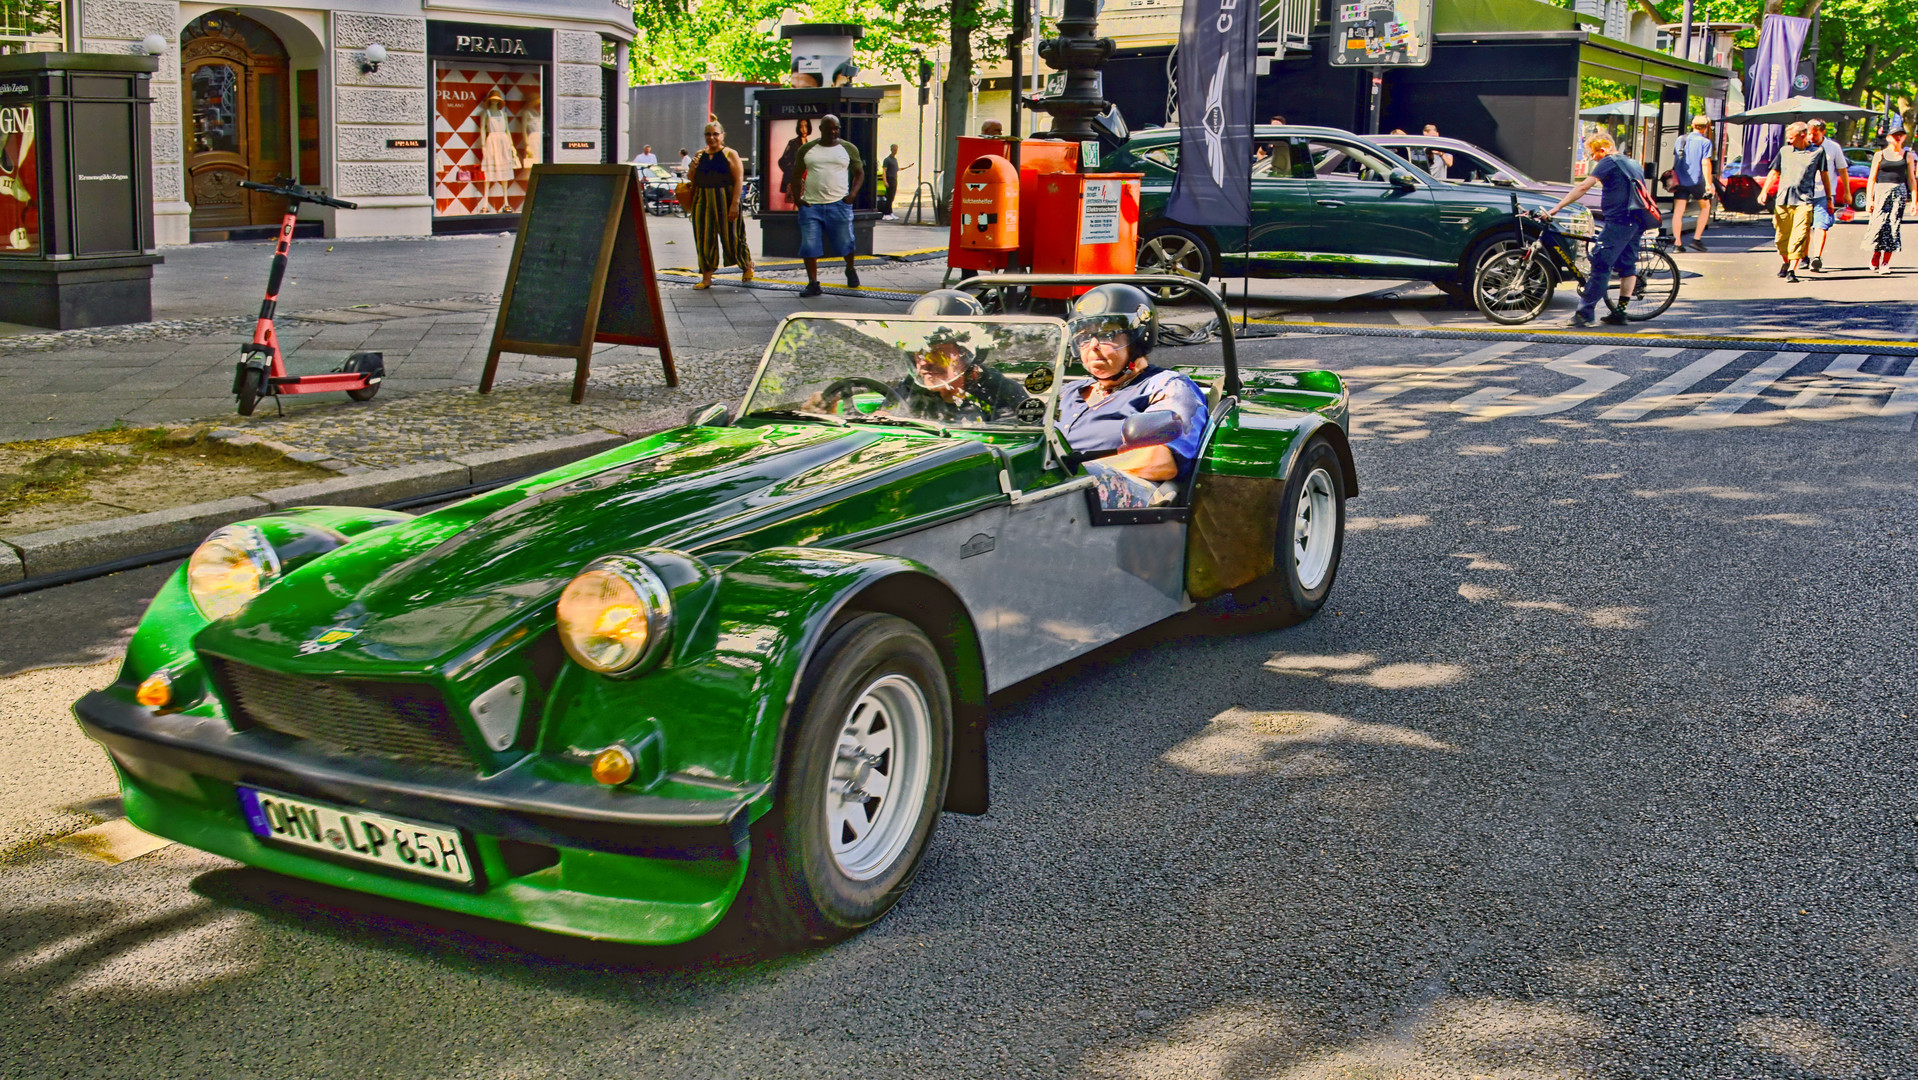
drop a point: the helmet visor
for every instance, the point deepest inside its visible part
(1101, 329)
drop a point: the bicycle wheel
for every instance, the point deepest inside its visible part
(1512, 286)
(1657, 287)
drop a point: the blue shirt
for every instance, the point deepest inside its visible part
(1096, 429)
(1618, 175)
(1689, 166)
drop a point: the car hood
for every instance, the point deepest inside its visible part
(416, 594)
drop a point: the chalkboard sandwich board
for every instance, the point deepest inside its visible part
(582, 272)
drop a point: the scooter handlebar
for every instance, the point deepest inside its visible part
(299, 194)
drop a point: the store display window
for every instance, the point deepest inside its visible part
(489, 131)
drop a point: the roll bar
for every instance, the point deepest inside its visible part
(1227, 345)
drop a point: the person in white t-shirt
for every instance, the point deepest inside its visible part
(646, 156)
(824, 181)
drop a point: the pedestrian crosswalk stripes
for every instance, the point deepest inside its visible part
(1717, 388)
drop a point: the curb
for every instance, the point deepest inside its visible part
(73, 547)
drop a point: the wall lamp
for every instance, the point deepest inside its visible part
(153, 45)
(372, 58)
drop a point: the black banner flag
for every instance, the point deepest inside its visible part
(1218, 54)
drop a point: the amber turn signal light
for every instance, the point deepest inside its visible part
(613, 766)
(156, 692)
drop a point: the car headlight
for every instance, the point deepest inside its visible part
(1576, 220)
(615, 615)
(229, 568)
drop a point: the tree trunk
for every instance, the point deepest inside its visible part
(954, 93)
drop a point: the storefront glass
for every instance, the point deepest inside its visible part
(32, 26)
(489, 131)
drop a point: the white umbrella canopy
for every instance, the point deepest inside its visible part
(1794, 109)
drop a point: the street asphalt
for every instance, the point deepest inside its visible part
(1600, 763)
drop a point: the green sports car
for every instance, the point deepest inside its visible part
(1328, 203)
(736, 667)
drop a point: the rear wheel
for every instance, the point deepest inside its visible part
(1657, 287)
(860, 789)
(1309, 543)
(373, 365)
(252, 387)
(1175, 250)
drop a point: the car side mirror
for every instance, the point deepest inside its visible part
(1151, 429)
(1402, 179)
(716, 414)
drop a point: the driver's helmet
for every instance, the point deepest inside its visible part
(947, 302)
(1112, 309)
(945, 360)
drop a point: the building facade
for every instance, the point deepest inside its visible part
(437, 136)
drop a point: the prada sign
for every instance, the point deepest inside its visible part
(509, 43)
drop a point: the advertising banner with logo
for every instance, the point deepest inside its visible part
(1218, 48)
(1771, 79)
(19, 172)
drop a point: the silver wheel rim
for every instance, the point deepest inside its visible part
(1315, 527)
(879, 775)
(1172, 255)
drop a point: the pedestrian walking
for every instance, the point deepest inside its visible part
(719, 230)
(824, 182)
(1795, 176)
(1893, 185)
(1823, 217)
(1616, 251)
(1692, 178)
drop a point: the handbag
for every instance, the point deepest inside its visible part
(683, 194)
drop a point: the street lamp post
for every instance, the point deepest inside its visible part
(1080, 54)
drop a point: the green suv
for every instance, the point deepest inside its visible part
(1327, 203)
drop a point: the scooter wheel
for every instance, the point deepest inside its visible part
(252, 389)
(365, 393)
(370, 364)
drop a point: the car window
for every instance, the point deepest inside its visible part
(1166, 156)
(1344, 161)
(1470, 169)
(1281, 159)
(983, 372)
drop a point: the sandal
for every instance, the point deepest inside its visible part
(746, 273)
(704, 283)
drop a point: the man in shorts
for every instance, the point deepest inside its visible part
(1823, 215)
(1692, 180)
(824, 181)
(1796, 176)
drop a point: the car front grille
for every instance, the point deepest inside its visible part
(393, 719)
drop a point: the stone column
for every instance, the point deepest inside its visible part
(119, 26)
(575, 95)
(393, 187)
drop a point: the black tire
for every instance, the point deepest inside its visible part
(1858, 199)
(1509, 288)
(364, 393)
(252, 389)
(1281, 598)
(372, 364)
(1457, 293)
(797, 890)
(1175, 249)
(1658, 278)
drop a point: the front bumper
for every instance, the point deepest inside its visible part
(626, 866)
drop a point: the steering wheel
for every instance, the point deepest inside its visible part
(836, 390)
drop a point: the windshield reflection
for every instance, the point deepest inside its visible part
(920, 371)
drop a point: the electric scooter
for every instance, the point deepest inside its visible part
(262, 369)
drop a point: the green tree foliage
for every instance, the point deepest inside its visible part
(678, 40)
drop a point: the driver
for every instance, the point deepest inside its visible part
(948, 382)
(1112, 328)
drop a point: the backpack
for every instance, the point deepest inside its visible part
(1652, 218)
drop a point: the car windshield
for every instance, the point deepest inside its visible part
(912, 370)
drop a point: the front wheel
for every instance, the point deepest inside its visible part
(1513, 285)
(1657, 287)
(252, 387)
(861, 786)
(1175, 251)
(1309, 543)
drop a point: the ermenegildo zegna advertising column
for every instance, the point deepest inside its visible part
(76, 189)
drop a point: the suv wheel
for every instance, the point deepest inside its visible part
(1176, 250)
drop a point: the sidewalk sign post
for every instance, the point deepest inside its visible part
(586, 265)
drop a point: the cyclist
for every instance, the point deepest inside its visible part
(1617, 248)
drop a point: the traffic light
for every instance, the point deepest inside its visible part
(925, 73)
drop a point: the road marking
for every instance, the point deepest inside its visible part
(1410, 318)
(1749, 385)
(1498, 402)
(1662, 394)
(1811, 402)
(1458, 365)
(1902, 408)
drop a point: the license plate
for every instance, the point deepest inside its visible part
(412, 846)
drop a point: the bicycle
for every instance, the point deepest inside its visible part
(1514, 284)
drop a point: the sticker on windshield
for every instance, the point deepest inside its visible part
(1039, 381)
(1032, 411)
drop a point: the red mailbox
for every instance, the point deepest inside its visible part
(987, 205)
(1084, 223)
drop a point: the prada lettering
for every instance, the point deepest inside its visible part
(488, 46)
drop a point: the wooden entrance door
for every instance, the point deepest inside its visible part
(234, 78)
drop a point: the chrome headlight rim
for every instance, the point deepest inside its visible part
(656, 600)
(1576, 220)
(247, 540)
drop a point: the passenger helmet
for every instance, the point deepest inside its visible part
(947, 302)
(1116, 307)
